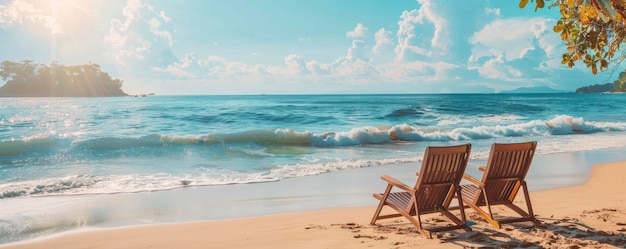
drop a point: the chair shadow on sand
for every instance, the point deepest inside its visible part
(502, 223)
(546, 232)
(564, 232)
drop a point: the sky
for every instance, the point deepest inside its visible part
(197, 47)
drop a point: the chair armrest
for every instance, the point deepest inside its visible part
(396, 183)
(472, 180)
(481, 168)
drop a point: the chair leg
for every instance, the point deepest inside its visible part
(487, 204)
(449, 197)
(527, 196)
(489, 216)
(528, 213)
(381, 204)
(418, 221)
(461, 209)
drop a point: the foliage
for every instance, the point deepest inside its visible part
(619, 85)
(592, 30)
(597, 88)
(27, 79)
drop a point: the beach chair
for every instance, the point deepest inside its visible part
(502, 178)
(437, 185)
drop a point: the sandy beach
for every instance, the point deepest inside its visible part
(590, 215)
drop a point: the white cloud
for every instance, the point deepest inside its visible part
(494, 11)
(215, 65)
(180, 68)
(507, 35)
(354, 67)
(436, 48)
(155, 28)
(513, 49)
(358, 32)
(382, 39)
(219, 68)
(140, 37)
(496, 68)
(163, 34)
(295, 65)
(426, 12)
(165, 17)
(118, 37)
(357, 51)
(130, 11)
(19, 11)
(406, 35)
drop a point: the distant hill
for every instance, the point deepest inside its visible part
(597, 88)
(538, 89)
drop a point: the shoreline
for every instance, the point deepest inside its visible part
(589, 214)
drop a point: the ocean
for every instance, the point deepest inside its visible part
(81, 148)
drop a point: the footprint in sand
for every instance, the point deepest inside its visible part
(351, 226)
(358, 236)
(316, 227)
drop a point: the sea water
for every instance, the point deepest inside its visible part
(82, 147)
(68, 146)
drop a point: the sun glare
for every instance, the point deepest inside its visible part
(66, 12)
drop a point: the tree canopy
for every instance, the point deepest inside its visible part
(597, 88)
(619, 85)
(28, 79)
(592, 30)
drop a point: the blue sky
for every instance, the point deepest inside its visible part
(297, 46)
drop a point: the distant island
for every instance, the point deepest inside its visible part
(28, 79)
(538, 89)
(619, 85)
(597, 88)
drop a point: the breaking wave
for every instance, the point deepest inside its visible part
(559, 125)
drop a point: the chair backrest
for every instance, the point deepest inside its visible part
(506, 168)
(442, 169)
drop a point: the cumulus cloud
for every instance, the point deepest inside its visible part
(435, 45)
(220, 68)
(421, 38)
(140, 36)
(427, 13)
(295, 64)
(118, 38)
(358, 32)
(20, 11)
(382, 39)
(406, 49)
(357, 51)
(181, 67)
(155, 28)
(512, 49)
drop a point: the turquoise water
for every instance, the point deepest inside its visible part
(76, 146)
(70, 163)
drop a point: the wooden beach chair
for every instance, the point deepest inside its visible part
(437, 184)
(503, 176)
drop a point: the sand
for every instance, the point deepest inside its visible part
(590, 215)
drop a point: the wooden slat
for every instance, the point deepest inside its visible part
(438, 180)
(503, 175)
